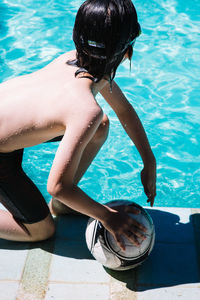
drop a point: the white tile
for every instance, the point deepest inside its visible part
(77, 291)
(8, 290)
(77, 270)
(185, 292)
(12, 264)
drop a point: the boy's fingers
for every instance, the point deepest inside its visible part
(135, 224)
(138, 225)
(151, 202)
(132, 238)
(120, 242)
(138, 233)
(151, 198)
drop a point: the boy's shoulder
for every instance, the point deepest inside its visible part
(69, 55)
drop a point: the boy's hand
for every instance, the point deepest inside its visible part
(148, 178)
(119, 223)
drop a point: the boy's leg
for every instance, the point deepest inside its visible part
(91, 150)
(28, 217)
(10, 229)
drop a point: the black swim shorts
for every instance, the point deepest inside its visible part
(18, 193)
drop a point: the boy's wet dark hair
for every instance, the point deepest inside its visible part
(103, 32)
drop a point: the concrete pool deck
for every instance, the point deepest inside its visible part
(62, 268)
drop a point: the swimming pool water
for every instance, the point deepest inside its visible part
(163, 87)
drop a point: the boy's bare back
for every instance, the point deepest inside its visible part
(37, 107)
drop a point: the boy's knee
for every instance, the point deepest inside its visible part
(103, 129)
(42, 230)
(47, 232)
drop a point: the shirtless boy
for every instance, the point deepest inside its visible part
(59, 100)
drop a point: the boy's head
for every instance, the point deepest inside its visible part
(103, 32)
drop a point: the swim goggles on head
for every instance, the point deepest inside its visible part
(102, 46)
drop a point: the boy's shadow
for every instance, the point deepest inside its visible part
(173, 260)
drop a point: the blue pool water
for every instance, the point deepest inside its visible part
(163, 87)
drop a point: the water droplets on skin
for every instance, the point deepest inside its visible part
(90, 124)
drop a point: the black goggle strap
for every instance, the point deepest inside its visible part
(102, 46)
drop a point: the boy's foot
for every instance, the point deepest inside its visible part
(57, 208)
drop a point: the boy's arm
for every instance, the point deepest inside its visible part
(79, 132)
(133, 126)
